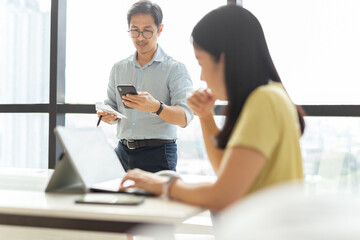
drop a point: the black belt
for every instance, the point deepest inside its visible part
(133, 144)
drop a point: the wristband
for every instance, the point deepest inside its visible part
(160, 108)
(166, 187)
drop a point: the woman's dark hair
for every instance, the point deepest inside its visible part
(237, 33)
(146, 7)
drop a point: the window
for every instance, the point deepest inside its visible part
(25, 50)
(23, 140)
(330, 149)
(315, 51)
(24, 79)
(314, 45)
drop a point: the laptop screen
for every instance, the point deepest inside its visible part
(93, 157)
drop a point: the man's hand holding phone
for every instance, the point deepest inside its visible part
(137, 100)
(142, 101)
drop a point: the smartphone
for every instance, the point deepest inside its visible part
(126, 89)
(107, 199)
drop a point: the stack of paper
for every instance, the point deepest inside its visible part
(101, 107)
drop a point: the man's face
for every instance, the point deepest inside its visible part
(145, 22)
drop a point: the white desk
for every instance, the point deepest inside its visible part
(23, 202)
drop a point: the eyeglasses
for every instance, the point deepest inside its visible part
(135, 34)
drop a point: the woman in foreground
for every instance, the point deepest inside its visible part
(259, 143)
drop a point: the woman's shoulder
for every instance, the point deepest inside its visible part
(269, 89)
(271, 92)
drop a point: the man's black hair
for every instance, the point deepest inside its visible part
(146, 7)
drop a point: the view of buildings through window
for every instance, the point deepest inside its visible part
(314, 50)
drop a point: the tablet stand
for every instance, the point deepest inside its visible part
(65, 179)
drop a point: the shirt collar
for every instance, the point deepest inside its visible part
(159, 56)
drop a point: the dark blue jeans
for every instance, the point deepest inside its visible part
(151, 159)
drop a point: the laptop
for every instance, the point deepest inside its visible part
(89, 164)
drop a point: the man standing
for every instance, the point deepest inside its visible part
(148, 135)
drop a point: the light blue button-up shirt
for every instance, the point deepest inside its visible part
(166, 79)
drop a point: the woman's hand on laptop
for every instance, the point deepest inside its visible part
(144, 180)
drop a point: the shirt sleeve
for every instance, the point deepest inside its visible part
(180, 86)
(257, 126)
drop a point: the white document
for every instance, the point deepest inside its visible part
(101, 107)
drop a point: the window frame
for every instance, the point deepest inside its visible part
(57, 108)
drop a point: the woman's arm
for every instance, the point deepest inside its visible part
(237, 173)
(201, 102)
(209, 130)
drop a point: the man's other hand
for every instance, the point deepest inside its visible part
(107, 117)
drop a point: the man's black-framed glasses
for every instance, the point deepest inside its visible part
(135, 33)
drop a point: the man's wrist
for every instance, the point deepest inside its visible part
(156, 108)
(159, 110)
(114, 121)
